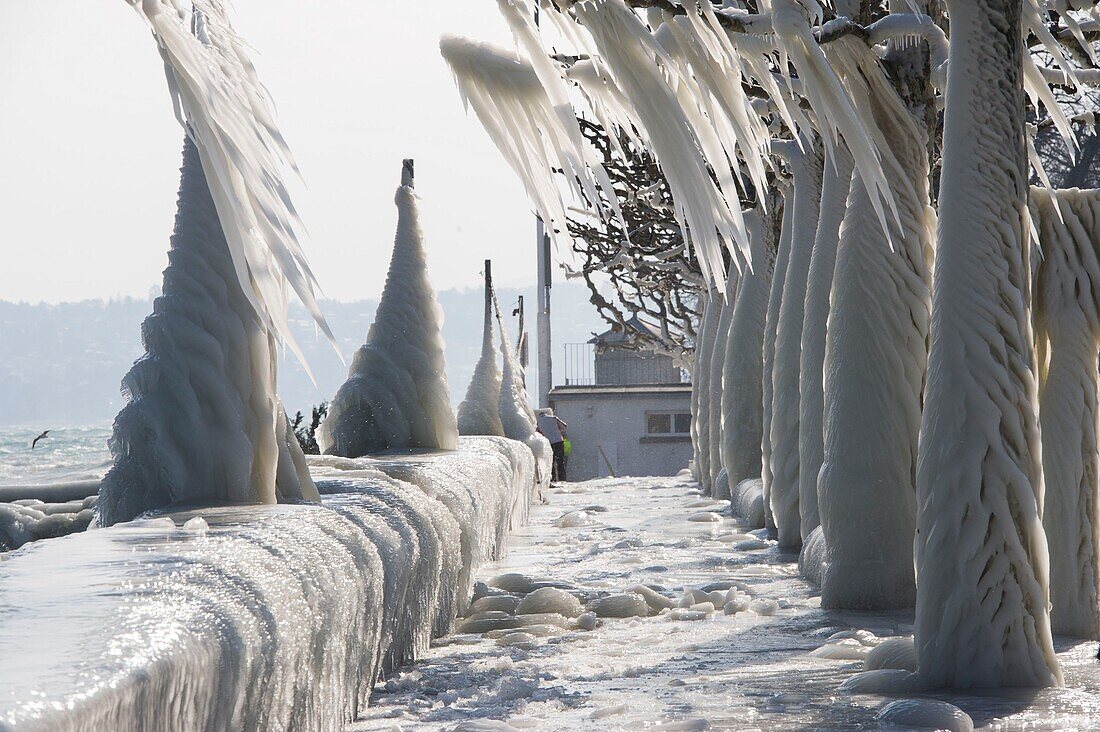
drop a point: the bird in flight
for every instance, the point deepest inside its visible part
(36, 439)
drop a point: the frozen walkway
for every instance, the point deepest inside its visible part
(741, 671)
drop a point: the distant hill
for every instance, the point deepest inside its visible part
(62, 364)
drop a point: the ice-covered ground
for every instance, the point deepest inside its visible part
(749, 670)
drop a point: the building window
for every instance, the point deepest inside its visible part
(668, 423)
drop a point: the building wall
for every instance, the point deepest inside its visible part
(620, 366)
(614, 420)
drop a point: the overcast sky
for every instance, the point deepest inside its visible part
(89, 148)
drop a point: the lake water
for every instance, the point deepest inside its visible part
(66, 454)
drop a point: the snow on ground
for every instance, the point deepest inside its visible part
(740, 671)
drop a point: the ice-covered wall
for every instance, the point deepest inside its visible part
(186, 621)
(396, 395)
(479, 413)
(1067, 325)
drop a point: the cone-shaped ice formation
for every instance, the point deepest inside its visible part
(202, 423)
(479, 413)
(516, 416)
(1067, 319)
(982, 615)
(396, 395)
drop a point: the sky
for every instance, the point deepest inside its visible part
(90, 149)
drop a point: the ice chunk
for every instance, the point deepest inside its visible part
(926, 714)
(893, 653)
(550, 600)
(620, 606)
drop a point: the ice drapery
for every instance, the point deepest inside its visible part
(981, 555)
(1067, 322)
(396, 395)
(806, 171)
(202, 423)
(479, 413)
(742, 379)
(874, 363)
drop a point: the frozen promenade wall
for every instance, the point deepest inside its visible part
(254, 617)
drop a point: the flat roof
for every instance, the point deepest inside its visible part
(598, 389)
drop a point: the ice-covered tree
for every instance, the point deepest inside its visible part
(1067, 321)
(982, 564)
(203, 423)
(396, 395)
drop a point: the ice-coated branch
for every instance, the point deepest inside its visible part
(216, 91)
(396, 395)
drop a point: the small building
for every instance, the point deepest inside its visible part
(628, 410)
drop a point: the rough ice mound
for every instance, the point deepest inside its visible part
(273, 617)
(893, 653)
(813, 560)
(479, 413)
(926, 714)
(202, 423)
(27, 520)
(396, 395)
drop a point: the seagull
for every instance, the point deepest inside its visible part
(36, 439)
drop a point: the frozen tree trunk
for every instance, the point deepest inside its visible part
(717, 370)
(743, 365)
(771, 324)
(836, 181)
(479, 413)
(396, 395)
(981, 611)
(202, 423)
(516, 416)
(704, 349)
(807, 171)
(874, 371)
(1067, 300)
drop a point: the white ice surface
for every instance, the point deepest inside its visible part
(743, 671)
(266, 617)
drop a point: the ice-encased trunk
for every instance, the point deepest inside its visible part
(202, 423)
(717, 385)
(874, 370)
(479, 413)
(982, 615)
(771, 323)
(704, 349)
(806, 169)
(743, 365)
(516, 416)
(835, 183)
(1067, 301)
(396, 395)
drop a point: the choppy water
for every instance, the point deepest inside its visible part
(66, 454)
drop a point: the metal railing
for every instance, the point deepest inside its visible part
(618, 367)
